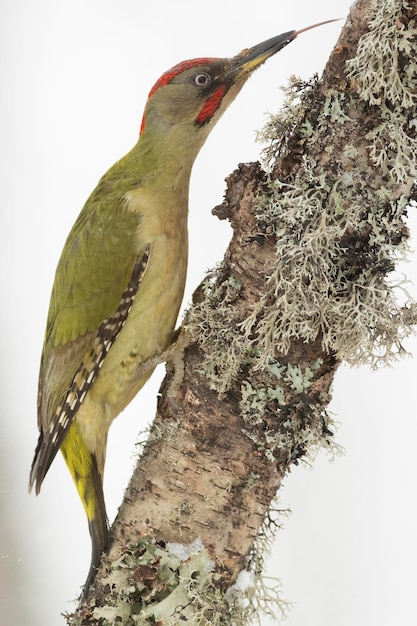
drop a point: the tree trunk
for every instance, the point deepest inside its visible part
(303, 286)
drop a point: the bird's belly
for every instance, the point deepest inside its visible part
(145, 335)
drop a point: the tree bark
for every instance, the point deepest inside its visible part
(303, 286)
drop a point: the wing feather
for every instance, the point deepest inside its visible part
(97, 279)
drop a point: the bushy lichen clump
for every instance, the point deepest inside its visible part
(338, 218)
(385, 72)
(156, 583)
(175, 583)
(212, 322)
(283, 419)
(381, 52)
(340, 229)
(335, 255)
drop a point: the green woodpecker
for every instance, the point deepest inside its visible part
(120, 279)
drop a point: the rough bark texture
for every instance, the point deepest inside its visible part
(225, 435)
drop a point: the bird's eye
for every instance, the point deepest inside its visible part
(201, 80)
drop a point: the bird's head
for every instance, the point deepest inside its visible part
(194, 94)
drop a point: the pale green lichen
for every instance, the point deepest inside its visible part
(153, 583)
(176, 583)
(206, 323)
(392, 148)
(304, 427)
(293, 116)
(299, 378)
(252, 480)
(322, 289)
(334, 107)
(339, 233)
(388, 46)
(375, 67)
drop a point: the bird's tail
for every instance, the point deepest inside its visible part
(88, 479)
(99, 533)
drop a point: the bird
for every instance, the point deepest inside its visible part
(120, 279)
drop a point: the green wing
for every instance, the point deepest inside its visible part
(94, 270)
(96, 280)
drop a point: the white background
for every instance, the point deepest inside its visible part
(74, 79)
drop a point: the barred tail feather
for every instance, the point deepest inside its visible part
(38, 469)
(99, 532)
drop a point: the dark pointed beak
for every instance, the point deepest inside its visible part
(249, 59)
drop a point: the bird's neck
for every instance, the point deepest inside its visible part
(169, 151)
(159, 176)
